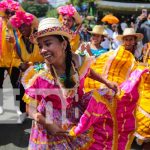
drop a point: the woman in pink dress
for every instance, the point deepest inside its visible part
(54, 90)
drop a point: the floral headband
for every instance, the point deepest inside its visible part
(9, 4)
(67, 10)
(21, 18)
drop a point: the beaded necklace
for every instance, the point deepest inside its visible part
(68, 92)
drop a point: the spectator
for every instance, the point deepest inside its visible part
(144, 28)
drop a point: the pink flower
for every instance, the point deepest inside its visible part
(9, 1)
(67, 10)
(12, 5)
(3, 5)
(21, 18)
(28, 18)
(15, 21)
(20, 14)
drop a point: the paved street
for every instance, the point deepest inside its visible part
(15, 136)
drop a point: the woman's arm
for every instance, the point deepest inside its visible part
(95, 76)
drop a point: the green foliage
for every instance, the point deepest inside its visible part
(131, 1)
(79, 2)
(52, 12)
(38, 10)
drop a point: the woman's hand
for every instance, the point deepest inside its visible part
(54, 129)
(114, 86)
(24, 66)
(10, 39)
(83, 47)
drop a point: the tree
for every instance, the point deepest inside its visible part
(39, 10)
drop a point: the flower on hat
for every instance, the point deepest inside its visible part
(15, 21)
(12, 5)
(3, 5)
(28, 18)
(21, 18)
(67, 10)
(9, 4)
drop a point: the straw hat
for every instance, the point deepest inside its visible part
(50, 26)
(130, 32)
(70, 11)
(98, 29)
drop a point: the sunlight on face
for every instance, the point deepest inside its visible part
(51, 49)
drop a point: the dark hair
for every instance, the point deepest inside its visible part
(9, 12)
(68, 83)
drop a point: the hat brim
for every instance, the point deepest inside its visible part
(91, 32)
(51, 31)
(138, 35)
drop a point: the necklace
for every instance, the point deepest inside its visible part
(68, 92)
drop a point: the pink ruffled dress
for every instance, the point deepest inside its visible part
(45, 94)
(112, 118)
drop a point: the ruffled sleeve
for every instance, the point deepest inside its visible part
(30, 81)
(32, 95)
(95, 109)
(28, 77)
(86, 120)
(86, 63)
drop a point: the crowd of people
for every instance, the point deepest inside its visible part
(82, 90)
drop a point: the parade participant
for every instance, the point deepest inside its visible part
(118, 66)
(103, 64)
(58, 82)
(142, 133)
(94, 48)
(112, 118)
(130, 41)
(69, 17)
(8, 55)
(24, 24)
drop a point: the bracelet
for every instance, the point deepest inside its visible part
(71, 132)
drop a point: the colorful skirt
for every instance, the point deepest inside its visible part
(40, 139)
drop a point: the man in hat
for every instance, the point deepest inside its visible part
(69, 16)
(130, 40)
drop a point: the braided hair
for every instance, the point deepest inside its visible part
(68, 82)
